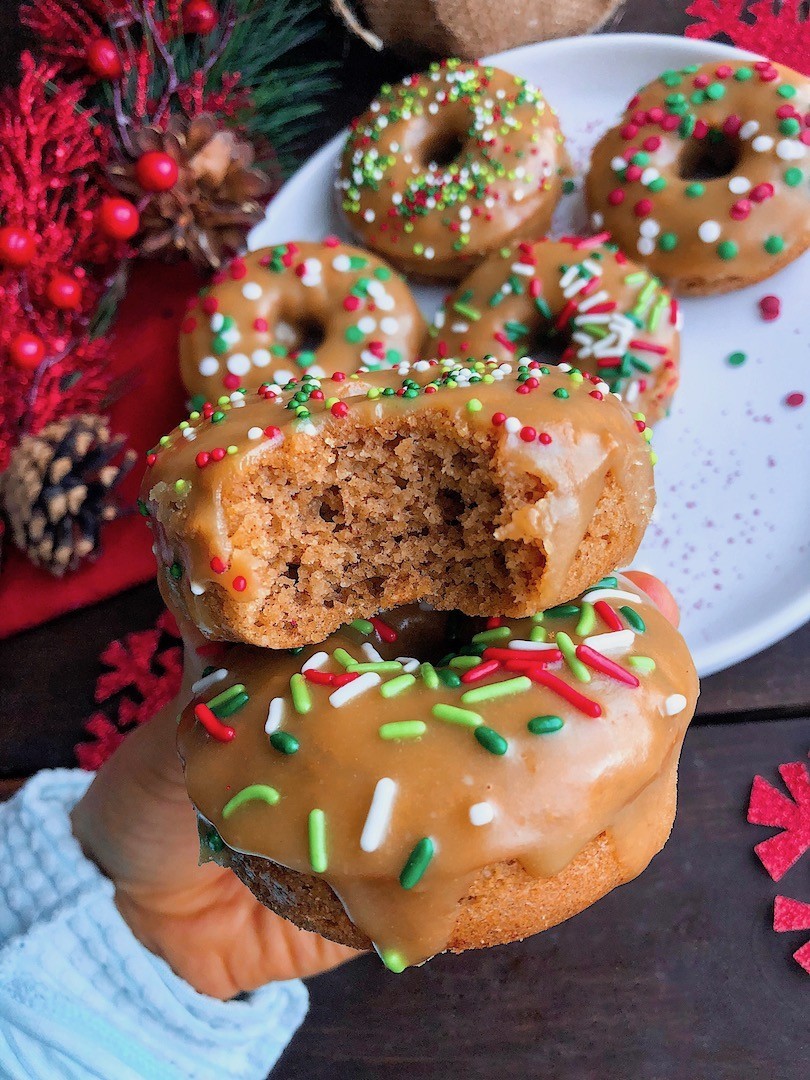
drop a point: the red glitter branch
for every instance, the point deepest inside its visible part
(780, 34)
(769, 806)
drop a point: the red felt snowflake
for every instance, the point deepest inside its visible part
(791, 914)
(769, 806)
(146, 668)
(780, 33)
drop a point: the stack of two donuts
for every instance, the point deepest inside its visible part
(436, 719)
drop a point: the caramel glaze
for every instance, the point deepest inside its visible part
(436, 218)
(618, 321)
(580, 435)
(652, 179)
(548, 795)
(280, 311)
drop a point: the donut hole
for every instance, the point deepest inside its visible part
(442, 148)
(300, 335)
(710, 158)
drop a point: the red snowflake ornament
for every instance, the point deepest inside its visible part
(780, 35)
(769, 806)
(791, 914)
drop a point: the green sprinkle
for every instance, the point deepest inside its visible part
(354, 335)
(790, 126)
(793, 176)
(634, 619)
(464, 663)
(233, 705)
(587, 621)
(380, 667)
(658, 184)
(497, 690)
(449, 678)
(786, 90)
(567, 648)
(474, 405)
(396, 686)
(363, 626)
(344, 658)
(667, 241)
(402, 729)
(737, 359)
(491, 740)
(429, 676)
(544, 725)
(611, 582)
(561, 393)
(562, 611)
(469, 312)
(143, 509)
(694, 191)
(538, 633)
(727, 249)
(175, 571)
(301, 698)
(451, 714)
(394, 961)
(316, 827)
(497, 633)
(644, 665)
(714, 91)
(253, 793)
(284, 742)
(743, 74)
(417, 863)
(774, 245)
(226, 695)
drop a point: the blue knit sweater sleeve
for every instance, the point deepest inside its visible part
(80, 997)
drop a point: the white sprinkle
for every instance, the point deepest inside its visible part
(512, 425)
(282, 376)
(317, 660)
(275, 714)
(255, 433)
(238, 364)
(368, 215)
(709, 231)
(524, 269)
(649, 227)
(518, 643)
(751, 127)
(196, 588)
(368, 649)
(209, 680)
(762, 143)
(389, 325)
(738, 185)
(252, 290)
(568, 277)
(261, 357)
(209, 366)
(649, 175)
(481, 813)
(597, 219)
(189, 434)
(618, 163)
(610, 594)
(409, 664)
(342, 263)
(674, 704)
(353, 689)
(367, 324)
(217, 321)
(379, 813)
(617, 641)
(790, 150)
(592, 301)
(237, 400)
(645, 245)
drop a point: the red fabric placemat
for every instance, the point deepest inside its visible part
(144, 353)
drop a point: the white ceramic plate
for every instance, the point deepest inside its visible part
(731, 533)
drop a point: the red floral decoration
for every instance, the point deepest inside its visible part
(768, 806)
(779, 32)
(789, 915)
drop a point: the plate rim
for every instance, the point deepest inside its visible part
(733, 649)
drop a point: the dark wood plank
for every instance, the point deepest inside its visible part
(675, 976)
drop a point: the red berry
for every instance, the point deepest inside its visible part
(156, 171)
(199, 17)
(118, 218)
(64, 292)
(103, 59)
(17, 246)
(27, 351)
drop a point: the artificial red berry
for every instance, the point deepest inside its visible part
(199, 17)
(64, 292)
(118, 218)
(156, 171)
(103, 59)
(27, 351)
(17, 246)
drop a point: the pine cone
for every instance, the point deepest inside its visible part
(206, 215)
(57, 490)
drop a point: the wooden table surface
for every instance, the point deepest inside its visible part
(676, 975)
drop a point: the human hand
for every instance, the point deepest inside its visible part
(137, 824)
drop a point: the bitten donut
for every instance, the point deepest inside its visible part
(403, 786)
(280, 311)
(707, 177)
(450, 164)
(281, 515)
(619, 321)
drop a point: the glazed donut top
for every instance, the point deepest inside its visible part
(252, 324)
(618, 319)
(555, 423)
(416, 211)
(397, 779)
(639, 186)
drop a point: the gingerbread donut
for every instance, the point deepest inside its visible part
(281, 515)
(707, 177)
(449, 165)
(419, 790)
(280, 311)
(618, 320)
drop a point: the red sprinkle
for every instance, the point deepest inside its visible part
(272, 431)
(498, 418)
(260, 325)
(202, 459)
(568, 693)
(320, 678)
(608, 615)
(346, 677)
(386, 632)
(604, 665)
(545, 438)
(795, 399)
(488, 667)
(770, 308)
(532, 657)
(340, 409)
(528, 434)
(239, 584)
(217, 565)
(215, 728)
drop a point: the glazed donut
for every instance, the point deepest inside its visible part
(280, 311)
(284, 514)
(448, 165)
(422, 791)
(620, 323)
(707, 177)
